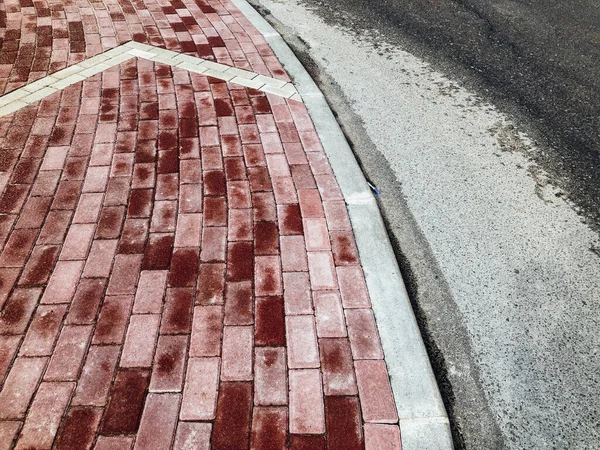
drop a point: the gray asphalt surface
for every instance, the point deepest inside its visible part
(539, 57)
(501, 269)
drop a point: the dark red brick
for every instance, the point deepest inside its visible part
(186, 109)
(290, 220)
(67, 115)
(26, 116)
(34, 212)
(158, 252)
(143, 175)
(223, 107)
(67, 194)
(270, 322)
(188, 127)
(344, 248)
(126, 140)
(108, 112)
(239, 303)
(117, 191)
(13, 198)
(55, 227)
(266, 238)
(140, 203)
(111, 220)
(189, 148)
(240, 97)
(39, 266)
(25, 170)
(231, 144)
(110, 94)
(261, 105)
(35, 147)
(79, 429)
(17, 248)
(259, 178)
(240, 261)
(16, 137)
(245, 115)
(232, 423)
(214, 183)
(298, 442)
(126, 403)
(269, 428)
(235, 169)
(86, 301)
(8, 160)
(337, 367)
(167, 140)
(75, 168)
(177, 314)
(168, 161)
(215, 41)
(62, 135)
(145, 151)
(343, 423)
(113, 319)
(133, 238)
(6, 224)
(215, 211)
(183, 268)
(128, 72)
(211, 283)
(263, 205)
(164, 71)
(18, 310)
(255, 93)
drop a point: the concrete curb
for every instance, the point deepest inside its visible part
(423, 420)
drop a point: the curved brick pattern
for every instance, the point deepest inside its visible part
(177, 265)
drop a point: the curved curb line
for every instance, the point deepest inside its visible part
(423, 420)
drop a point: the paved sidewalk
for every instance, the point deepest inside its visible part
(177, 269)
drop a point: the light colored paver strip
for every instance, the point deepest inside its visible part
(48, 85)
(177, 263)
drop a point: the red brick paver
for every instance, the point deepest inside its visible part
(177, 268)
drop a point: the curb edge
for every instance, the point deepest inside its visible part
(424, 423)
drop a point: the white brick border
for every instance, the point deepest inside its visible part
(39, 89)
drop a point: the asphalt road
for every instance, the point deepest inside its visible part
(540, 58)
(486, 169)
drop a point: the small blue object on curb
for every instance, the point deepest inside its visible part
(377, 192)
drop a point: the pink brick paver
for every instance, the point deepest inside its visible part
(177, 266)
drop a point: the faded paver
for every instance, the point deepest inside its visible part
(177, 268)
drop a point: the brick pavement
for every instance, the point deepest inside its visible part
(177, 266)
